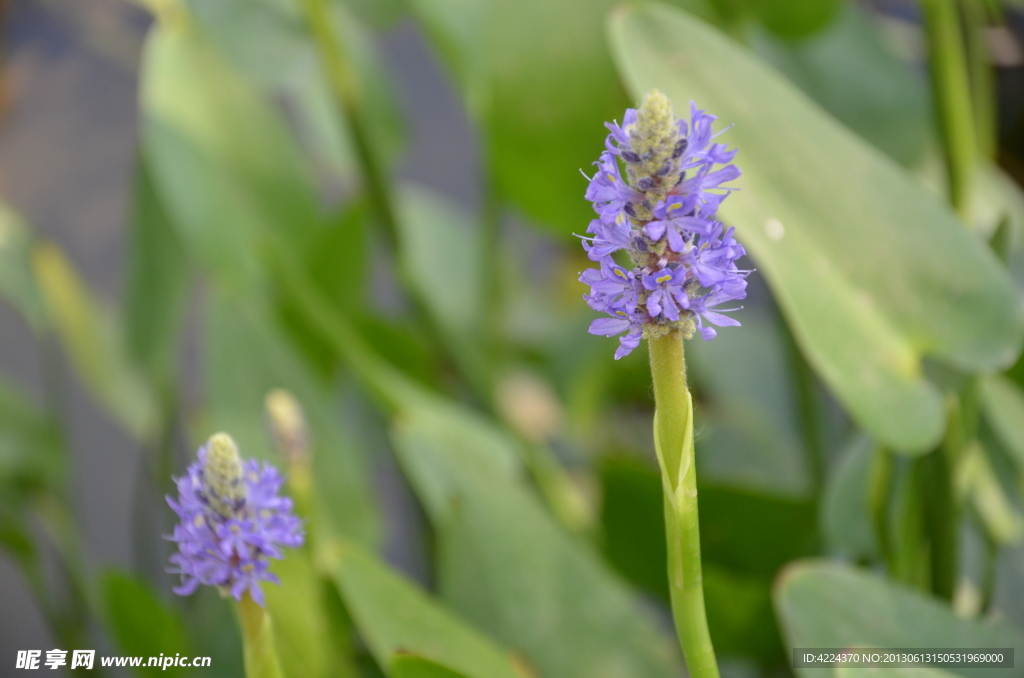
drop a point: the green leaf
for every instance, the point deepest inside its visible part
(411, 666)
(849, 71)
(751, 532)
(740, 618)
(870, 270)
(824, 604)
(93, 344)
(633, 523)
(507, 567)
(30, 455)
(394, 615)
(539, 79)
(845, 515)
(301, 633)
(1003, 405)
(749, 425)
(222, 161)
(157, 285)
(17, 284)
(140, 623)
(440, 254)
(794, 18)
(246, 357)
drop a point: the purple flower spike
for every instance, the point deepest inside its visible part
(656, 192)
(232, 522)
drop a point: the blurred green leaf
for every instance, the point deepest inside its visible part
(221, 160)
(1003, 405)
(440, 254)
(849, 71)
(157, 285)
(845, 514)
(301, 631)
(538, 77)
(507, 567)
(977, 481)
(749, 434)
(633, 523)
(92, 342)
(394, 615)
(268, 41)
(411, 666)
(753, 532)
(246, 356)
(140, 623)
(871, 272)
(794, 18)
(830, 605)
(740, 617)
(30, 454)
(17, 284)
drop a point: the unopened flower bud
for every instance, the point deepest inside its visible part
(288, 426)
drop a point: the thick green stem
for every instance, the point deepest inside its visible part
(257, 640)
(673, 439)
(952, 92)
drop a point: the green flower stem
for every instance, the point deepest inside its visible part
(348, 98)
(673, 440)
(952, 91)
(257, 640)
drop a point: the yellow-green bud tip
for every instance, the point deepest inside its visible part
(288, 425)
(653, 136)
(223, 482)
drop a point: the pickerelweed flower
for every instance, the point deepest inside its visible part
(232, 522)
(656, 192)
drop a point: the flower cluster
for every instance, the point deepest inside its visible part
(661, 210)
(232, 522)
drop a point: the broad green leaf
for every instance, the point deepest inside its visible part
(633, 523)
(141, 624)
(92, 342)
(507, 566)
(845, 515)
(301, 633)
(823, 604)
(411, 666)
(440, 253)
(794, 18)
(978, 483)
(752, 532)
(539, 79)
(749, 428)
(268, 41)
(222, 162)
(870, 270)
(17, 283)
(740, 617)
(849, 71)
(30, 454)
(157, 285)
(1003, 405)
(394, 615)
(246, 357)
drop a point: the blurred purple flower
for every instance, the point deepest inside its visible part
(232, 522)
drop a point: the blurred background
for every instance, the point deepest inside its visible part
(134, 348)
